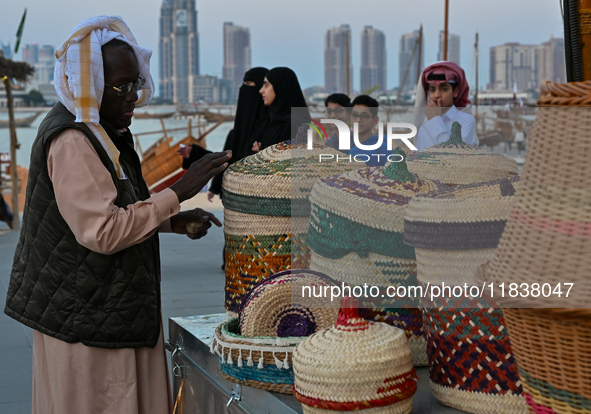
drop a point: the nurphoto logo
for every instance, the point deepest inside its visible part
(402, 131)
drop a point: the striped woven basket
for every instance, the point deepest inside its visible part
(356, 232)
(277, 306)
(454, 231)
(455, 162)
(355, 365)
(266, 212)
(261, 362)
(547, 241)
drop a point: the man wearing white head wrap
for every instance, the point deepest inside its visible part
(86, 273)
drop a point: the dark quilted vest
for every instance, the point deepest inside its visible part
(67, 291)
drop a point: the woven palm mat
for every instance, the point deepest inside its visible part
(277, 181)
(455, 162)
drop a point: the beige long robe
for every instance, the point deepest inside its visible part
(74, 378)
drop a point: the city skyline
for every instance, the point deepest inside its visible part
(291, 35)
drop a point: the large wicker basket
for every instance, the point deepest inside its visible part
(454, 231)
(266, 211)
(547, 241)
(455, 162)
(356, 232)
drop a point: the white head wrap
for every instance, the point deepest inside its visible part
(79, 74)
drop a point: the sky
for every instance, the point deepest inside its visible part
(292, 33)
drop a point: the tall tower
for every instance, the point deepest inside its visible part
(373, 59)
(514, 64)
(407, 45)
(236, 55)
(453, 47)
(335, 59)
(179, 50)
(551, 64)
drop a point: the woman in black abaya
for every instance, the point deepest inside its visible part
(281, 92)
(250, 122)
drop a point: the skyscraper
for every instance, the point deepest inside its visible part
(409, 48)
(31, 54)
(45, 65)
(453, 47)
(236, 55)
(513, 64)
(551, 64)
(178, 50)
(337, 57)
(373, 59)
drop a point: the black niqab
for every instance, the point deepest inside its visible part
(251, 115)
(288, 95)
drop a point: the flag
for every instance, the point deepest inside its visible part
(19, 32)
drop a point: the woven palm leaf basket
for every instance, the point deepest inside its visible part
(266, 211)
(454, 231)
(356, 365)
(256, 348)
(455, 162)
(356, 232)
(547, 244)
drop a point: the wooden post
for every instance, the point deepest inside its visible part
(445, 29)
(585, 31)
(13, 147)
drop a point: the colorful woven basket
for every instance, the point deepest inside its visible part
(455, 162)
(277, 306)
(355, 365)
(256, 348)
(261, 362)
(547, 241)
(356, 237)
(266, 211)
(454, 231)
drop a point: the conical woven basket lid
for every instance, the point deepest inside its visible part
(363, 211)
(277, 180)
(471, 216)
(276, 306)
(356, 364)
(547, 239)
(455, 162)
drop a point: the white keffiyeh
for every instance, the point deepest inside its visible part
(79, 74)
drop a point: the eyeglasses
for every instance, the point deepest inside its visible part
(126, 88)
(336, 111)
(363, 116)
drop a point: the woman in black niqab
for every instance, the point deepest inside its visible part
(288, 94)
(249, 123)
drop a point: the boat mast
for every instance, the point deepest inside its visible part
(445, 29)
(476, 57)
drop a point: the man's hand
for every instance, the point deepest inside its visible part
(185, 151)
(210, 196)
(199, 174)
(194, 223)
(433, 108)
(256, 146)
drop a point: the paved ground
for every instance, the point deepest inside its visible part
(192, 284)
